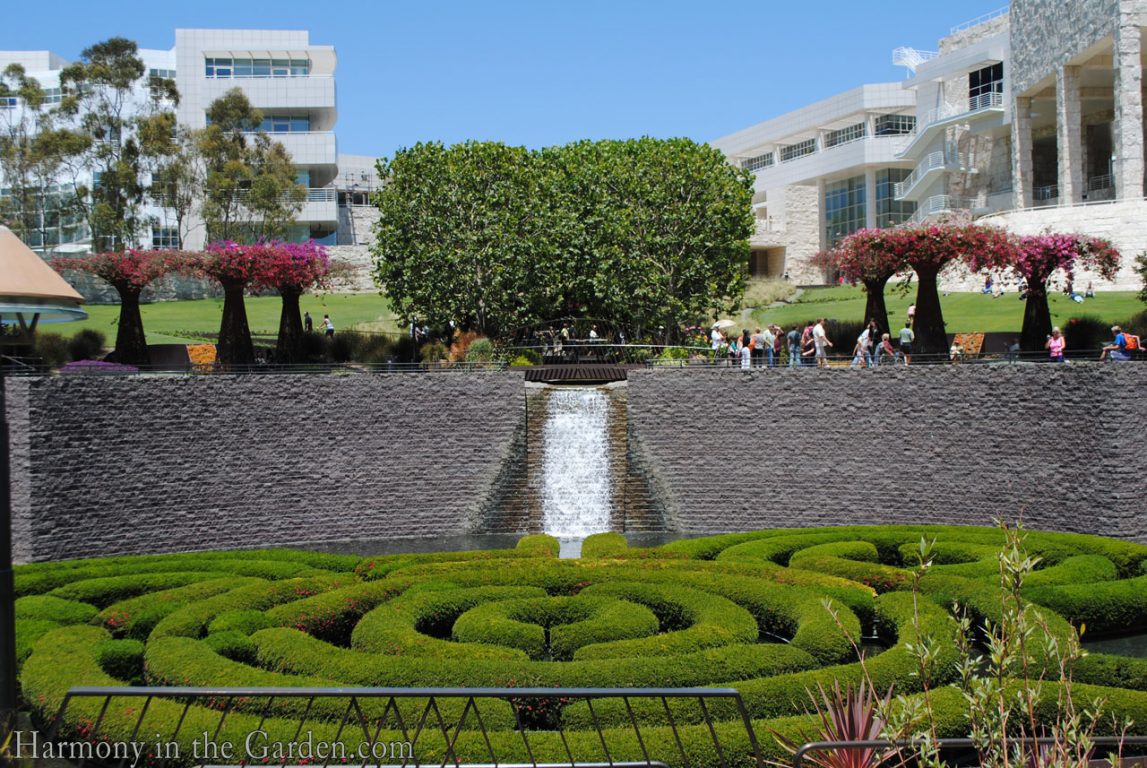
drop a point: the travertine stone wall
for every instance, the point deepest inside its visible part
(732, 451)
(1046, 34)
(125, 465)
(796, 228)
(1123, 222)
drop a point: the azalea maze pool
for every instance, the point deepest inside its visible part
(771, 613)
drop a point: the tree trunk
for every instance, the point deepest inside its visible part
(931, 338)
(874, 307)
(234, 346)
(1037, 318)
(289, 347)
(130, 341)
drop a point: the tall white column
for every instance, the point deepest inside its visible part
(821, 221)
(870, 198)
(1128, 105)
(1069, 124)
(1022, 152)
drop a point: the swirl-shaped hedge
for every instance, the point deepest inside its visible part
(771, 613)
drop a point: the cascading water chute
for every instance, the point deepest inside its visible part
(576, 488)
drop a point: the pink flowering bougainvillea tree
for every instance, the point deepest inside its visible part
(291, 269)
(129, 272)
(236, 268)
(872, 256)
(1036, 258)
(927, 250)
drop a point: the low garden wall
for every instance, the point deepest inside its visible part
(1063, 446)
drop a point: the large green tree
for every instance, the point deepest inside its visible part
(648, 233)
(464, 235)
(118, 124)
(32, 151)
(250, 193)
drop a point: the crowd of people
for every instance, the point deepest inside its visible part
(809, 345)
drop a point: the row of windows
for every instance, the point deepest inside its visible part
(845, 135)
(757, 163)
(285, 124)
(164, 237)
(9, 102)
(986, 80)
(226, 68)
(883, 125)
(894, 125)
(167, 74)
(800, 149)
(844, 209)
(889, 210)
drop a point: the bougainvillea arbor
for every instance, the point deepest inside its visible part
(129, 272)
(291, 269)
(1036, 258)
(288, 268)
(869, 255)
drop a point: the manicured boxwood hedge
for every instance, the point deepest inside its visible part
(772, 613)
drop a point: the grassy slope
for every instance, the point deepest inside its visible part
(168, 322)
(963, 312)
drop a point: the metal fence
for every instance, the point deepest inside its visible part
(440, 716)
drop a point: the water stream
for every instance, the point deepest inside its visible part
(576, 491)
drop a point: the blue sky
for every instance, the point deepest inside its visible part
(541, 73)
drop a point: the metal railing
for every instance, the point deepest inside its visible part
(948, 744)
(933, 161)
(974, 105)
(979, 20)
(434, 720)
(937, 204)
(313, 195)
(1046, 193)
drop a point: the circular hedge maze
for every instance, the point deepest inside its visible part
(771, 613)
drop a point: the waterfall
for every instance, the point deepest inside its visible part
(576, 490)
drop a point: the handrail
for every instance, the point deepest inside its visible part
(937, 204)
(979, 20)
(1114, 201)
(933, 161)
(974, 105)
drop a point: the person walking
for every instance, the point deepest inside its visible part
(871, 343)
(308, 323)
(821, 343)
(1055, 345)
(793, 339)
(767, 340)
(328, 326)
(906, 339)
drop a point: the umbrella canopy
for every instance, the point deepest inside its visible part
(722, 324)
(28, 286)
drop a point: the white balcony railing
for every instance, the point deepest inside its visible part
(938, 204)
(314, 195)
(974, 104)
(933, 161)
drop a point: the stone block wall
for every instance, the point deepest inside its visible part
(731, 451)
(126, 465)
(1046, 34)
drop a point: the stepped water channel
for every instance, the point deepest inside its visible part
(576, 485)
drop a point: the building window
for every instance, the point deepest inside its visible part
(166, 74)
(889, 210)
(983, 85)
(164, 238)
(285, 124)
(9, 102)
(757, 163)
(895, 125)
(844, 210)
(800, 149)
(216, 67)
(845, 135)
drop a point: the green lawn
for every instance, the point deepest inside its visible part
(179, 322)
(963, 312)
